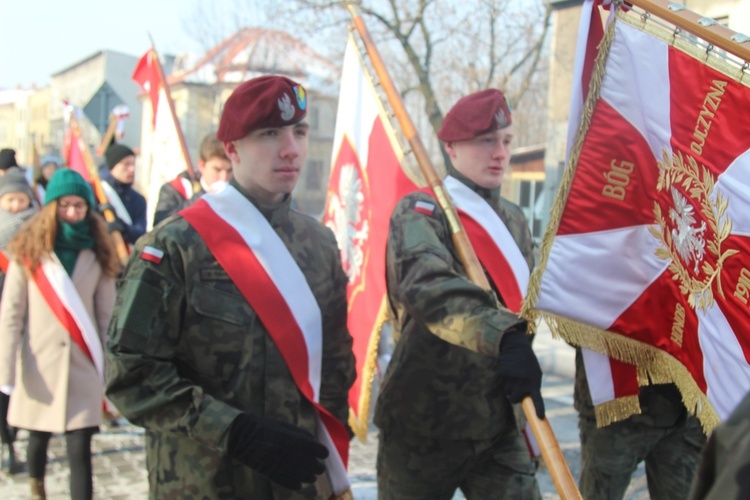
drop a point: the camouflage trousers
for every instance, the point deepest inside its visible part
(610, 455)
(414, 467)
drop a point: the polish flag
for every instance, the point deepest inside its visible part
(73, 143)
(148, 77)
(366, 183)
(74, 155)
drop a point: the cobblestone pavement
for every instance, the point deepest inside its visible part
(119, 463)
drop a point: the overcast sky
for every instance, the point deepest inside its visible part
(41, 37)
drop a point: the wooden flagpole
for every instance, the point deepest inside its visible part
(546, 439)
(170, 103)
(702, 27)
(107, 135)
(109, 214)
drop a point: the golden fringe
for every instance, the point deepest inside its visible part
(359, 424)
(655, 365)
(616, 410)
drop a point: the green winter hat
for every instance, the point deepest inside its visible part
(65, 182)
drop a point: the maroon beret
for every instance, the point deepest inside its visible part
(475, 114)
(263, 102)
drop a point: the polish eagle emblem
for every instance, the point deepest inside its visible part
(501, 119)
(687, 235)
(695, 226)
(286, 107)
(345, 219)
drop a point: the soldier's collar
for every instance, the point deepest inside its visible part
(491, 195)
(275, 214)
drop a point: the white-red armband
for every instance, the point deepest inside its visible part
(424, 207)
(152, 254)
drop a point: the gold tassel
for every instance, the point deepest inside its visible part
(616, 410)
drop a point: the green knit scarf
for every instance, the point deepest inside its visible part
(70, 240)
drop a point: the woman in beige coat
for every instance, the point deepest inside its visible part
(60, 284)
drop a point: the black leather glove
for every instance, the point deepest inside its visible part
(106, 206)
(284, 453)
(116, 225)
(520, 374)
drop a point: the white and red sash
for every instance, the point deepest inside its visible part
(4, 261)
(63, 299)
(183, 186)
(495, 247)
(117, 204)
(259, 264)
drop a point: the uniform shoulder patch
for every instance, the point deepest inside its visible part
(152, 254)
(424, 207)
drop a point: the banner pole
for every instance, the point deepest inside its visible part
(714, 33)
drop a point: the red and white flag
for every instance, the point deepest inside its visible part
(366, 183)
(148, 77)
(652, 222)
(161, 152)
(73, 143)
(613, 385)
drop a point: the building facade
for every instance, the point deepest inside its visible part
(200, 86)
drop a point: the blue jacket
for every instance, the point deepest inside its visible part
(135, 204)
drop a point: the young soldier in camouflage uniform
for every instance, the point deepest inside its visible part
(215, 170)
(461, 357)
(664, 435)
(192, 361)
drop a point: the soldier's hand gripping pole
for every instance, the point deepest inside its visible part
(550, 448)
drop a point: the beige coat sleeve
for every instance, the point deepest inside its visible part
(13, 319)
(104, 305)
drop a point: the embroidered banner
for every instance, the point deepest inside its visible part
(646, 259)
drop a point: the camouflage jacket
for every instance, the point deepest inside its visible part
(187, 353)
(442, 379)
(170, 201)
(724, 471)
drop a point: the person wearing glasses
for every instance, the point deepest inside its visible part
(58, 299)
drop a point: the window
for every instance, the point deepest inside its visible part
(314, 117)
(314, 178)
(531, 201)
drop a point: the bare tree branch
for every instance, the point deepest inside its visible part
(438, 50)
